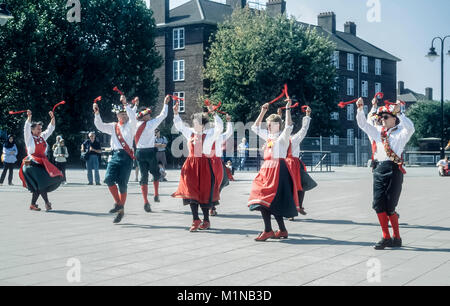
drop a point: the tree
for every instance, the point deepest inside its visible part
(46, 59)
(426, 116)
(252, 55)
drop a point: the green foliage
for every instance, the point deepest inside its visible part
(46, 59)
(426, 116)
(252, 55)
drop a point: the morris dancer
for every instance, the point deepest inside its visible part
(146, 150)
(37, 173)
(119, 167)
(201, 176)
(274, 192)
(304, 181)
(218, 146)
(390, 138)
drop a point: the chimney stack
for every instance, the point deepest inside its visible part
(429, 93)
(237, 4)
(275, 7)
(327, 21)
(160, 11)
(401, 88)
(350, 27)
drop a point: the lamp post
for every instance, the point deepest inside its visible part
(432, 55)
(5, 15)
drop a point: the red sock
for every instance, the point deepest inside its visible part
(123, 199)
(384, 222)
(115, 193)
(394, 223)
(144, 189)
(156, 185)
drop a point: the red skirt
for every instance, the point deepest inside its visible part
(200, 180)
(294, 165)
(265, 185)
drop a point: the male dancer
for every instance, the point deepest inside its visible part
(119, 167)
(146, 150)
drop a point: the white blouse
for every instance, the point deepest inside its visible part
(29, 138)
(223, 138)
(128, 129)
(212, 135)
(280, 140)
(148, 137)
(298, 138)
(398, 136)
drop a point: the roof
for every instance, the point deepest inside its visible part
(210, 12)
(410, 96)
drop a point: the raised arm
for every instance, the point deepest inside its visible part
(51, 127)
(406, 126)
(300, 135)
(256, 127)
(361, 119)
(163, 115)
(107, 128)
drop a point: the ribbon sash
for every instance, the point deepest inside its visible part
(123, 143)
(139, 132)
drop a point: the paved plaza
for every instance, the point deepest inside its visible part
(332, 245)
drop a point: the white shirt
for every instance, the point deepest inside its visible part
(280, 140)
(398, 136)
(29, 138)
(298, 138)
(148, 137)
(223, 138)
(211, 134)
(128, 129)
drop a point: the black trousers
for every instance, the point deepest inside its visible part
(387, 187)
(6, 167)
(62, 168)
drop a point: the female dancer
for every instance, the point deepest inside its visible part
(201, 176)
(274, 192)
(390, 138)
(37, 173)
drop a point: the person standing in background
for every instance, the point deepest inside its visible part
(9, 159)
(92, 151)
(242, 153)
(161, 144)
(60, 153)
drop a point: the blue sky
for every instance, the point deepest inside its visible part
(405, 30)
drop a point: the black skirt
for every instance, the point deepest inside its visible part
(387, 187)
(307, 181)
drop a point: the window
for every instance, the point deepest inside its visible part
(336, 83)
(335, 159)
(377, 87)
(366, 109)
(181, 103)
(350, 136)
(350, 158)
(316, 158)
(364, 158)
(365, 89)
(334, 116)
(350, 87)
(335, 60)
(350, 112)
(364, 64)
(334, 140)
(364, 140)
(377, 66)
(178, 70)
(402, 108)
(350, 62)
(178, 38)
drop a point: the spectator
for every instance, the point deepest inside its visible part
(161, 144)
(60, 153)
(163, 172)
(58, 139)
(229, 165)
(443, 166)
(92, 152)
(242, 153)
(9, 159)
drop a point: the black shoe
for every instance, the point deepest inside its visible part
(397, 243)
(90, 184)
(115, 209)
(383, 243)
(147, 207)
(156, 198)
(119, 216)
(98, 184)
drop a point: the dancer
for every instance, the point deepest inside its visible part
(201, 176)
(274, 192)
(146, 150)
(9, 159)
(218, 150)
(37, 173)
(119, 167)
(390, 138)
(304, 181)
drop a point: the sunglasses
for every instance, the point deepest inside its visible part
(386, 117)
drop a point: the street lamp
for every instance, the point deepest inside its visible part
(5, 15)
(432, 56)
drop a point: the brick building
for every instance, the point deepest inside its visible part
(183, 37)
